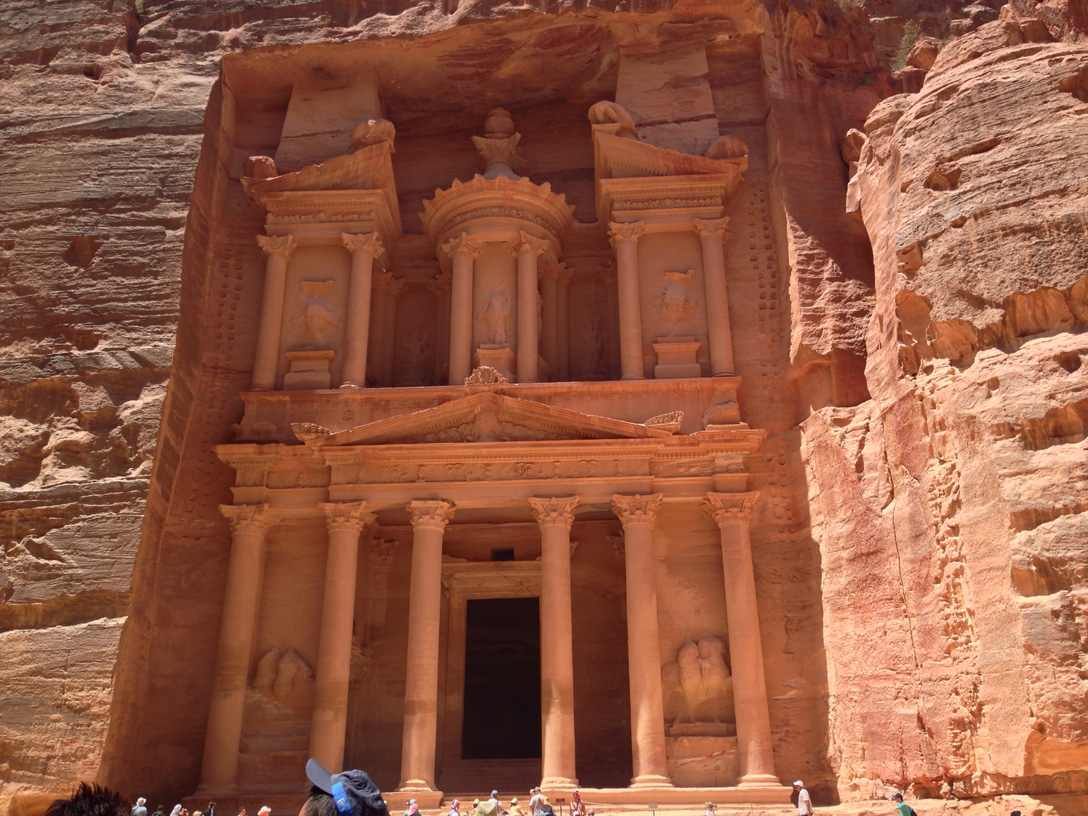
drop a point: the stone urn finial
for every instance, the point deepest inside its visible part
(499, 145)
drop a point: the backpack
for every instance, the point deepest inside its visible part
(912, 813)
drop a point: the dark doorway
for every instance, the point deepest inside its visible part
(502, 679)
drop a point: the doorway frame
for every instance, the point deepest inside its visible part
(464, 581)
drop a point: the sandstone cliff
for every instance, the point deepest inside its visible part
(931, 612)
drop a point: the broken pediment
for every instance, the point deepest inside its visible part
(485, 417)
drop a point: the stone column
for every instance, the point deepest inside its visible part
(441, 288)
(549, 315)
(429, 520)
(562, 283)
(712, 232)
(364, 249)
(529, 248)
(278, 249)
(387, 291)
(625, 242)
(249, 524)
(555, 517)
(637, 514)
(328, 724)
(464, 250)
(733, 514)
(607, 274)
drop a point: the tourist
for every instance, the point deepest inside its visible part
(413, 808)
(903, 808)
(455, 808)
(495, 799)
(91, 800)
(709, 809)
(515, 808)
(241, 811)
(577, 808)
(534, 802)
(161, 811)
(546, 808)
(804, 801)
(264, 811)
(176, 811)
(348, 793)
(140, 809)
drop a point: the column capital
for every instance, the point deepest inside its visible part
(730, 508)
(636, 510)
(283, 245)
(556, 512)
(711, 226)
(255, 519)
(381, 554)
(442, 282)
(434, 515)
(350, 516)
(386, 282)
(530, 243)
(625, 231)
(463, 243)
(363, 242)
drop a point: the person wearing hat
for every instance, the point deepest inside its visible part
(534, 802)
(515, 808)
(709, 809)
(495, 801)
(804, 801)
(577, 806)
(264, 811)
(455, 808)
(348, 793)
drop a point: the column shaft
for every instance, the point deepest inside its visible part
(364, 249)
(278, 249)
(464, 250)
(563, 275)
(733, 512)
(625, 240)
(241, 597)
(720, 335)
(429, 519)
(328, 724)
(637, 513)
(555, 517)
(528, 250)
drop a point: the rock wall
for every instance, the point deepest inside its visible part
(922, 533)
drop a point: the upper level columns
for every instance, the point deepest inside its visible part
(529, 249)
(712, 232)
(733, 514)
(278, 249)
(555, 517)
(625, 241)
(387, 289)
(464, 250)
(429, 520)
(637, 514)
(328, 724)
(364, 249)
(249, 524)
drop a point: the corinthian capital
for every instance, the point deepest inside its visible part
(381, 554)
(712, 226)
(530, 243)
(636, 511)
(363, 242)
(463, 243)
(554, 512)
(625, 231)
(430, 514)
(278, 245)
(350, 516)
(386, 282)
(251, 519)
(730, 508)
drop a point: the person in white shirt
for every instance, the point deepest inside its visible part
(804, 801)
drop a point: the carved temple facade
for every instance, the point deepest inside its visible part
(491, 517)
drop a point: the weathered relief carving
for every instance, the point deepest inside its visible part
(674, 305)
(486, 375)
(698, 688)
(286, 679)
(372, 132)
(315, 320)
(609, 113)
(495, 315)
(722, 413)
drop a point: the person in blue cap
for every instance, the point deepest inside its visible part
(348, 793)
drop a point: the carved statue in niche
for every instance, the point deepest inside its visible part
(699, 688)
(609, 113)
(315, 319)
(496, 317)
(279, 702)
(722, 413)
(372, 132)
(673, 303)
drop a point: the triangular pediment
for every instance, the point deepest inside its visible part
(486, 417)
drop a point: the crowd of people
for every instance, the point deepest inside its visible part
(353, 793)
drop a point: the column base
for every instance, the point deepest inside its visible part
(651, 781)
(559, 783)
(759, 781)
(724, 374)
(633, 377)
(351, 385)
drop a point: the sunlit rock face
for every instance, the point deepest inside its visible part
(898, 198)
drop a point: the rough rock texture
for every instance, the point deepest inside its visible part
(931, 614)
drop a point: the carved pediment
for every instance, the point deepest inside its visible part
(488, 417)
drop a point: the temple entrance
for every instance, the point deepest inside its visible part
(502, 679)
